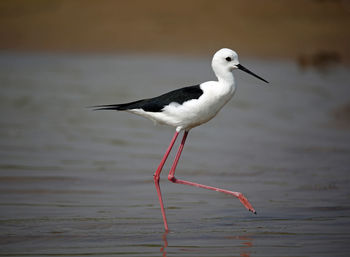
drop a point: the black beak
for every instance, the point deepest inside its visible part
(241, 67)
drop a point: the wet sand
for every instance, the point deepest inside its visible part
(271, 29)
(78, 182)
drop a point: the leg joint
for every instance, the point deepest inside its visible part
(171, 178)
(156, 178)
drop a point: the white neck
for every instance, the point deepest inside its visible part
(225, 77)
(226, 84)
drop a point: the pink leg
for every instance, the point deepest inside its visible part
(172, 178)
(156, 178)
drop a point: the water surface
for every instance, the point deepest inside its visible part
(78, 182)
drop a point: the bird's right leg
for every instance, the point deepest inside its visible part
(171, 177)
(156, 178)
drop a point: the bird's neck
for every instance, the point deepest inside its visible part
(227, 85)
(226, 78)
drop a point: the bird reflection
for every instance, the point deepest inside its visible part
(245, 241)
(165, 243)
(246, 244)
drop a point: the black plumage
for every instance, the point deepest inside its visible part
(156, 104)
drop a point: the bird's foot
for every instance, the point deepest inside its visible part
(246, 203)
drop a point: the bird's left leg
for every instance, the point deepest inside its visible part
(156, 179)
(172, 178)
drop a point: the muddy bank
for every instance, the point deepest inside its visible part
(292, 29)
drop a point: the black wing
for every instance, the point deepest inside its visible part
(156, 104)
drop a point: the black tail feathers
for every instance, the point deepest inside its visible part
(106, 107)
(119, 107)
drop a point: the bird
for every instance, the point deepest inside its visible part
(186, 108)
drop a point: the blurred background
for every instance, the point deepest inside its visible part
(78, 182)
(267, 29)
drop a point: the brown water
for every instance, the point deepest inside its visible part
(75, 182)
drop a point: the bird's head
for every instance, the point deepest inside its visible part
(225, 61)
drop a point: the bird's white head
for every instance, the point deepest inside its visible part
(225, 61)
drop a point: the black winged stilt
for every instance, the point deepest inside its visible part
(186, 108)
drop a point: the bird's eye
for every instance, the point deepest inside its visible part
(228, 59)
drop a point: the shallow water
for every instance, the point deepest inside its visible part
(78, 182)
